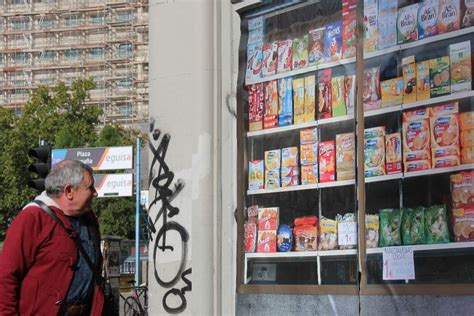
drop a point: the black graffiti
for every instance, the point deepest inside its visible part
(164, 194)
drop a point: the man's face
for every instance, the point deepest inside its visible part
(83, 194)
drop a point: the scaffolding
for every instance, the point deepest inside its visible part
(46, 41)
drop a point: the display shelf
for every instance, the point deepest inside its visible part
(430, 247)
(384, 178)
(282, 129)
(335, 184)
(438, 171)
(342, 252)
(445, 98)
(388, 109)
(283, 189)
(276, 255)
(336, 119)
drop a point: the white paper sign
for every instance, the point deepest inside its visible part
(398, 263)
(347, 233)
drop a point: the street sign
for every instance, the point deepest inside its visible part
(100, 158)
(114, 185)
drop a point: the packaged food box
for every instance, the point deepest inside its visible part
(345, 156)
(390, 222)
(270, 115)
(266, 241)
(440, 82)
(468, 16)
(444, 134)
(298, 100)
(428, 12)
(462, 189)
(270, 59)
(327, 234)
(333, 42)
(272, 159)
(309, 174)
(256, 100)
(463, 224)
(417, 165)
(338, 100)
(382, 21)
(467, 138)
(309, 98)
(466, 121)
(285, 56)
(289, 156)
(254, 62)
(436, 225)
(370, 26)
(448, 161)
(306, 220)
(407, 28)
(413, 226)
(268, 218)
(392, 92)
(461, 68)
(315, 46)
(309, 135)
(300, 52)
(416, 139)
(284, 238)
(285, 101)
(393, 153)
(372, 226)
(292, 171)
(324, 94)
(371, 93)
(250, 237)
(327, 161)
(349, 93)
(444, 109)
(252, 214)
(308, 154)
(306, 238)
(391, 31)
(409, 79)
(467, 155)
(374, 156)
(289, 181)
(422, 80)
(346, 231)
(256, 174)
(272, 183)
(449, 16)
(349, 31)
(378, 131)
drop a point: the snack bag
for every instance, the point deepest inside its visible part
(308, 136)
(413, 226)
(270, 116)
(327, 234)
(298, 100)
(409, 79)
(349, 93)
(333, 42)
(284, 238)
(449, 16)
(256, 101)
(309, 174)
(461, 74)
(252, 214)
(250, 237)
(254, 62)
(266, 241)
(256, 174)
(371, 93)
(285, 56)
(345, 156)
(392, 92)
(324, 94)
(393, 153)
(300, 52)
(390, 221)
(306, 238)
(346, 231)
(316, 46)
(309, 98)
(306, 220)
(285, 101)
(270, 59)
(462, 189)
(327, 161)
(268, 218)
(372, 226)
(463, 224)
(436, 225)
(407, 28)
(428, 12)
(422, 80)
(338, 101)
(440, 82)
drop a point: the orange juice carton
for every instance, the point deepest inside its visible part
(270, 59)
(309, 98)
(309, 174)
(338, 100)
(371, 93)
(256, 173)
(443, 162)
(370, 26)
(289, 156)
(285, 56)
(270, 115)
(392, 91)
(289, 181)
(327, 161)
(428, 12)
(308, 136)
(393, 153)
(315, 46)
(300, 52)
(292, 171)
(345, 156)
(422, 80)
(374, 156)
(250, 237)
(449, 16)
(463, 223)
(306, 237)
(268, 218)
(285, 101)
(349, 93)
(461, 69)
(444, 135)
(309, 154)
(440, 83)
(266, 242)
(467, 138)
(256, 103)
(273, 159)
(467, 155)
(409, 79)
(407, 28)
(324, 94)
(417, 165)
(298, 100)
(466, 121)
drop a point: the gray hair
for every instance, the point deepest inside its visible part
(67, 172)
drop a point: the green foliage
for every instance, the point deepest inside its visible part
(116, 216)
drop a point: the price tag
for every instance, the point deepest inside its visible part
(398, 263)
(347, 233)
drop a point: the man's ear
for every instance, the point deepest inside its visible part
(68, 192)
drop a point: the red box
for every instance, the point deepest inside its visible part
(327, 161)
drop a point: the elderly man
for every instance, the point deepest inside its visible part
(42, 271)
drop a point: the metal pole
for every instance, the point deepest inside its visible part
(137, 215)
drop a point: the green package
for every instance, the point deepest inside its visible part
(390, 222)
(436, 225)
(413, 226)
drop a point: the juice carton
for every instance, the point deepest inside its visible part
(309, 174)
(300, 52)
(422, 80)
(428, 12)
(270, 115)
(308, 154)
(254, 62)
(371, 93)
(409, 79)
(407, 28)
(285, 56)
(298, 100)
(256, 101)
(309, 98)
(461, 74)
(349, 93)
(345, 156)
(309, 135)
(392, 92)
(270, 59)
(449, 16)
(256, 174)
(285, 101)
(315, 46)
(349, 31)
(289, 156)
(440, 83)
(338, 100)
(268, 218)
(371, 28)
(333, 42)
(327, 161)
(324, 94)
(393, 153)
(266, 242)
(273, 159)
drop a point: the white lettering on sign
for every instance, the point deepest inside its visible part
(83, 154)
(398, 263)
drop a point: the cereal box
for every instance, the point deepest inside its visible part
(252, 214)
(338, 100)
(289, 156)
(285, 101)
(466, 121)
(289, 181)
(270, 59)
(254, 62)
(266, 241)
(255, 174)
(463, 223)
(268, 218)
(345, 156)
(309, 174)
(468, 16)
(349, 31)
(315, 46)
(271, 175)
(309, 135)
(327, 163)
(393, 153)
(250, 237)
(306, 238)
(422, 80)
(349, 93)
(371, 93)
(449, 16)
(309, 98)
(327, 234)
(272, 183)
(272, 159)
(440, 83)
(371, 27)
(467, 155)
(256, 101)
(291, 171)
(407, 28)
(428, 12)
(300, 52)
(333, 42)
(298, 100)
(409, 79)
(270, 115)
(461, 74)
(324, 94)
(392, 92)
(309, 154)
(374, 156)
(467, 138)
(382, 24)
(285, 56)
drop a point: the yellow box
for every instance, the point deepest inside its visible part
(298, 100)
(409, 79)
(309, 98)
(392, 91)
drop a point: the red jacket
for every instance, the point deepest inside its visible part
(36, 264)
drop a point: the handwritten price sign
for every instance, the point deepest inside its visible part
(347, 233)
(398, 263)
